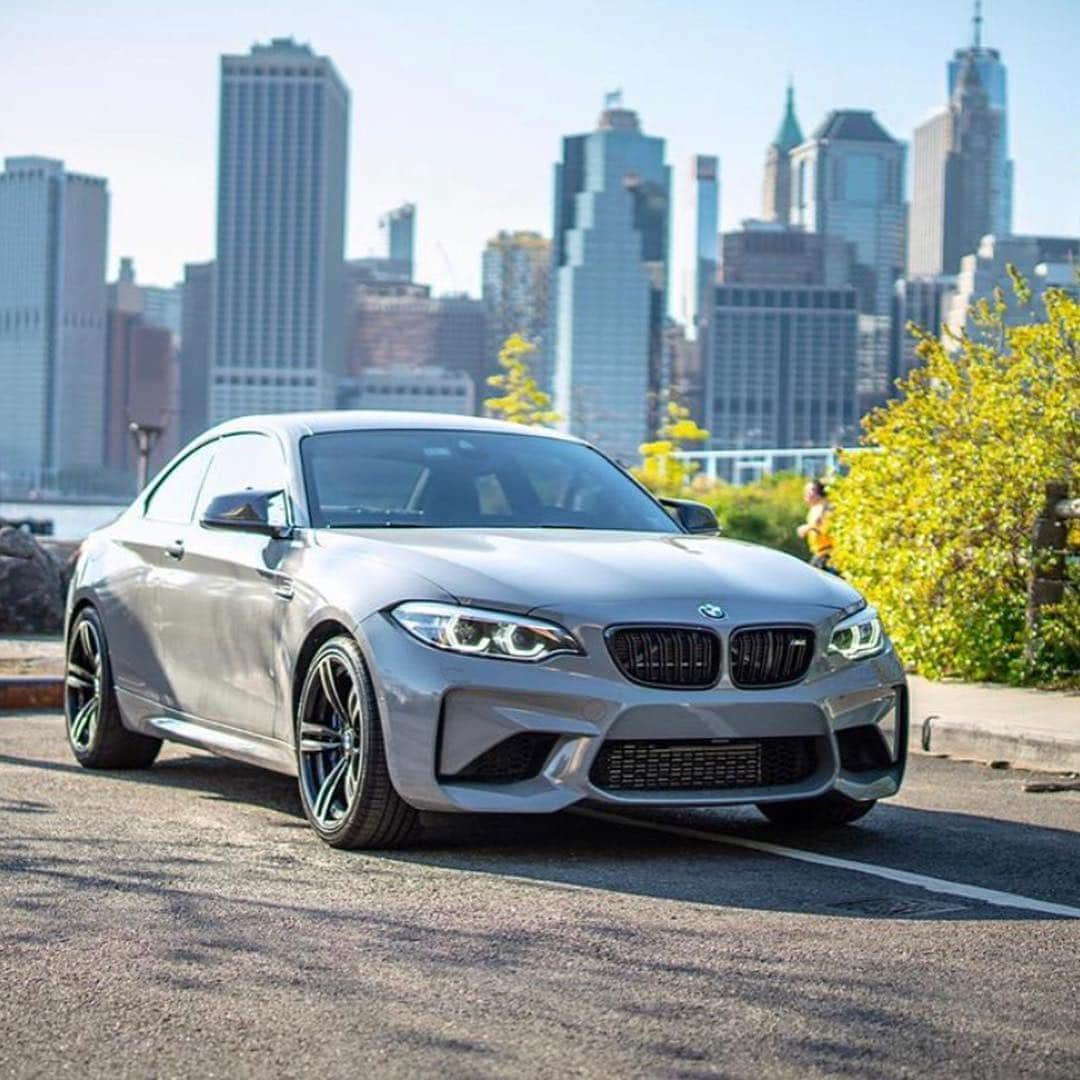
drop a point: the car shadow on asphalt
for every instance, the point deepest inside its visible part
(571, 850)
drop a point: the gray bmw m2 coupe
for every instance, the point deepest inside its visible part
(419, 612)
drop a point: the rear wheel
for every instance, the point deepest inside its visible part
(97, 737)
(345, 784)
(825, 812)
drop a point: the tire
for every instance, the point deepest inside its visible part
(827, 811)
(94, 732)
(345, 786)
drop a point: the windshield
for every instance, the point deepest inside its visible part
(438, 479)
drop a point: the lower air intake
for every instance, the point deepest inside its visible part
(520, 757)
(703, 764)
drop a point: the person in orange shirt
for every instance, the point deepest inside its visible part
(816, 530)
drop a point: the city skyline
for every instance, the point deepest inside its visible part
(484, 187)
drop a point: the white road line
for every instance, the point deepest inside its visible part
(905, 877)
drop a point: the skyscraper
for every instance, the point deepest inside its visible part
(278, 320)
(959, 190)
(196, 342)
(1043, 261)
(783, 360)
(688, 347)
(705, 170)
(516, 275)
(398, 227)
(54, 226)
(848, 181)
(610, 257)
(776, 195)
(398, 326)
(992, 77)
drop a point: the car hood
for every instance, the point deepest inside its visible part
(577, 572)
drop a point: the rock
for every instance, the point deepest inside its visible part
(31, 589)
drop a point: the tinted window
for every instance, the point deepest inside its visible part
(174, 498)
(246, 463)
(466, 479)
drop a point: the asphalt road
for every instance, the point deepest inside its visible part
(183, 922)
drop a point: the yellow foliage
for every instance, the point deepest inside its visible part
(521, 401)
(936, 526)
(660, 471)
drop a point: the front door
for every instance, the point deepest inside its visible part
(233, 613)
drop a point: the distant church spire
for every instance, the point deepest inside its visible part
(776, 194)
(789, 134)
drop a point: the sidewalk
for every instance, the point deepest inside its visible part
(1032, 729)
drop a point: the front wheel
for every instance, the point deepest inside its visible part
(345, 786)
(827, 811)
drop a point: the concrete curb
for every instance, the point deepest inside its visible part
(1043, 751)
(20, 692)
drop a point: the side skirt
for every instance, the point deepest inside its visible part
(146, 718)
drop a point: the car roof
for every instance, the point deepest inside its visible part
(293, 426)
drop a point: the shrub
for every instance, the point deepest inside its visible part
(936, 526)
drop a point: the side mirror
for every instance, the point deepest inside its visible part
(694, 517)
(249, 511)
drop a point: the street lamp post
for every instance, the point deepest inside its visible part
(146, 437)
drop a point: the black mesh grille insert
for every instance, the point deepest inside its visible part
(666, 655)
(770, 655)
(702, 764)
(520, 757)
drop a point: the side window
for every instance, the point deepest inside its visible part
(174, 498)
(246, 462)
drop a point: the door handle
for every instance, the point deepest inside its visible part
(175, 550)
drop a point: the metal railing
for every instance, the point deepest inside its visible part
(746, 466)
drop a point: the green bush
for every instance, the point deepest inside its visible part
(766, 512)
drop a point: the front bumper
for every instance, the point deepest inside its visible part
(441, 711)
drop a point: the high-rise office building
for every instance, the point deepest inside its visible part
(776, 193)
(959, 187)
(924, 302)
(398, 227)
(141, 386)
(848, 181)
(610, 258)
(516, 282)
(396, 326)
(159, 305)
(54, 226)
(705, 170)
(196, 344)
(278, 318)
(1043, 261)
(783, 361)
(768, 253)
(993, 80)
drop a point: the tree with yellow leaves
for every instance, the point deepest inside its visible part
(936, 526)
(521, 400)
(660, 470)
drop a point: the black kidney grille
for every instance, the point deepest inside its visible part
(770, 655)
(702, 764)
(667, 656)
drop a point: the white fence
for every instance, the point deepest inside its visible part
(746, 466)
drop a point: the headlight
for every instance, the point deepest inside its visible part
(858, 636)
(483, 633)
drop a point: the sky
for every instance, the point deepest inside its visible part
(460, 107)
